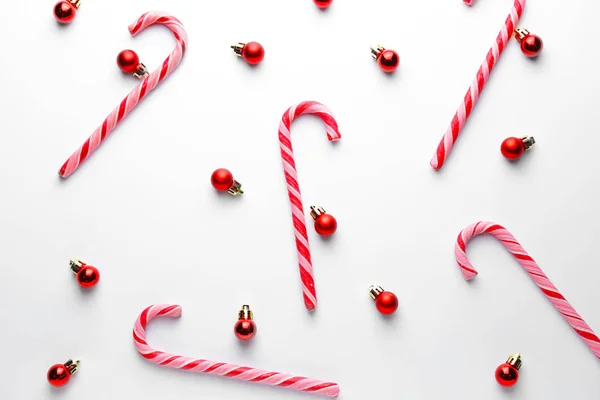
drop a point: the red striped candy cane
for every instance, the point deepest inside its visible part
(137, 94)
(540, 279)
(291, 177)
(472, 95)
(247, 374)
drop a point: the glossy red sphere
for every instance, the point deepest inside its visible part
(507, 375)
(512, 148)
(322, 4)
(58, 375)
(88, 276)
(64, 12)
(222, 179)
(245, 329)
(386, 303)
(325, 225)
(253, 53)
(128, 61)
(388, 60)
(532, 45)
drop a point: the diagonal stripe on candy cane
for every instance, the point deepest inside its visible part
(472, 95)
(540, 279)
(291, 177)
(248, 374)
(137, 94)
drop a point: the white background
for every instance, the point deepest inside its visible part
(142, 210)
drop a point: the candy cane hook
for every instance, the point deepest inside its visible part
(540, 279)
(247, 374)
(472, 95)
(291, 177)
(137, 94)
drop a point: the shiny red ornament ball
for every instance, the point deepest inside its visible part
(253, 53)
(65, 12)
(245, 329)
(128, 61)
(386, 303)
(325, 225)
(88, 276)
(323, 4)
(222, 179)
(58, 375)
(388, 60)
(512, 148)
(532, 45)
(507, 375)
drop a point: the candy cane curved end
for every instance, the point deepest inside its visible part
(248, 374)
(483, 73)
(535, 272)
(138, 93)
(291, 177)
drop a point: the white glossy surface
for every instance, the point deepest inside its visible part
(143, 211)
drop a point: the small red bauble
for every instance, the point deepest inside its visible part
(60, 374)
(386, 302)
(65, 11)
(252, 52)
(388, 60)
(531, 45)
(245, 328)
(507, 374)
(87, 276)
(129, 62)
(325, 224)
(323, 4)
(222, 180)
(513, 148)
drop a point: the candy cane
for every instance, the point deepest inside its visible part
(472, 95)
(247, 374)
(291, 177)
(137, 94)
(540, 279)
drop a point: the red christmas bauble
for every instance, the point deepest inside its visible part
(88, 276)
(532, 45)
(386, 303)
(58, 375)
(221, 179)
(322, 4)
(245, 329)
(507, 375)
(388, 60)
(325, 225)
(253, 53)
(128, 61)
(64, 12)
(512, 148)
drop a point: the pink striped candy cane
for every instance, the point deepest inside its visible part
(472, 95)
(540, 279)
(247, 374)
(137, 94)
(291, 177)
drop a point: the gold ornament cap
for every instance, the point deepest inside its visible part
(376, 51)
(235, 188)
(72, 366)
(528, 142)
(238, 48)
(520, 34)
(246, 313)
(515, 361)
(375, 291)
(76, 265)
(316, 212)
